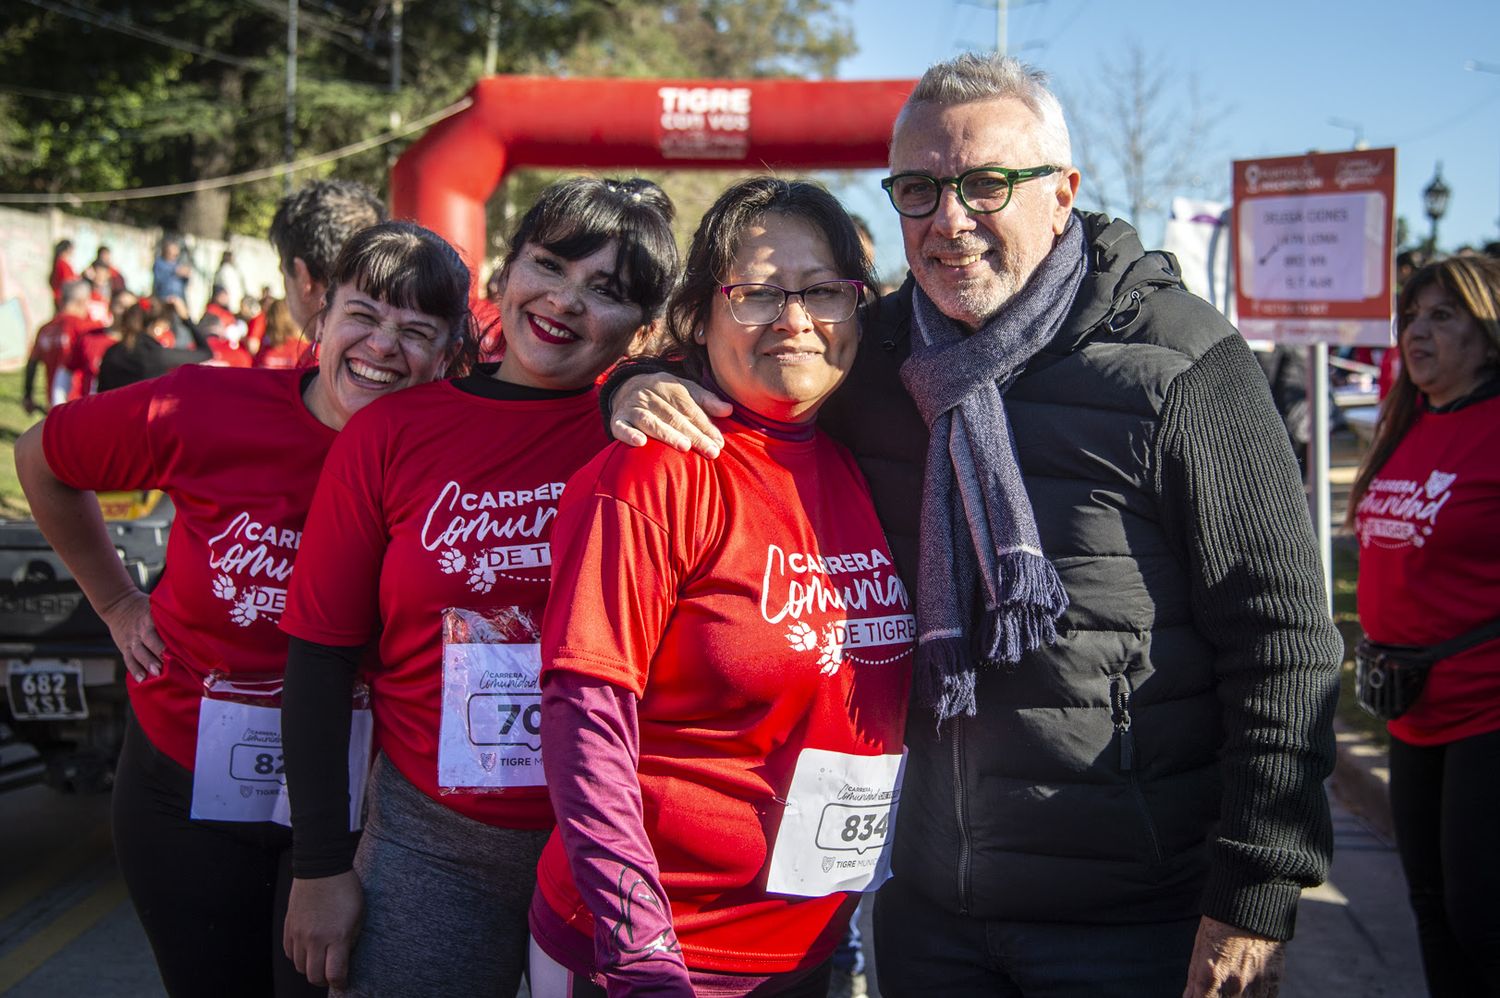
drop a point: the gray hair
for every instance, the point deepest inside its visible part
(972, 77)
(77, 291)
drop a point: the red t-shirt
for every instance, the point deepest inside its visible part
(226, 354)
(53, 344)
(419, 484)
(1429, 565)
(239, 455)
(292, 353)
(62, 273)
(255, 329)
(84, 358)
(710, 590)
(224, 315)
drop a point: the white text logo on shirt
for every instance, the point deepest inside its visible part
(475, 517)
(249, 555)
(858, 585)
(1398, 512)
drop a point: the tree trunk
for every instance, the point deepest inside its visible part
(206, 213)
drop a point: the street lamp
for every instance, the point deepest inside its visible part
(1435, 200)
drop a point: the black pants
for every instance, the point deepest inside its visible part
(1445, 800)
(925, 951)
(211, 895)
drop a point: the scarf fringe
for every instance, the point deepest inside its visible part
(1009, 632)
(1031, 599)
(945, 677)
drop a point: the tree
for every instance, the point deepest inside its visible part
(1141, 133)
(163, 91)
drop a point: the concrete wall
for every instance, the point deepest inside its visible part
(26, 241)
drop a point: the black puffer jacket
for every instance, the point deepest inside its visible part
(1165, 757)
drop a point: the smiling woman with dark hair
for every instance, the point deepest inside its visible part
(425, 570)
(239, 453)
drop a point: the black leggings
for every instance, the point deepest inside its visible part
(211, 895)
(1446, 807)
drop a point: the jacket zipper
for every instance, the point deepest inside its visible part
(1120, 693)
(962, 811)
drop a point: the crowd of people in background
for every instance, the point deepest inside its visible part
(104, 334)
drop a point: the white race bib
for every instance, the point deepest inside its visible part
(239, 774)
(836, 831)
(491, 733)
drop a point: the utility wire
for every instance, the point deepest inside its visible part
(335, 34)
(250, 177)
(125, 27)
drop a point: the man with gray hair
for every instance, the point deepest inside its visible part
(1126, 672)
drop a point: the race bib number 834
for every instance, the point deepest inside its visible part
(835, 833)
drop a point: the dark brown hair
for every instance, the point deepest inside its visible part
(316, 222)
(575, 217)
(279, 325)
(139, 319)
(408, 266)
(718, 238)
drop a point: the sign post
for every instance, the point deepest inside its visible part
(1313, 247)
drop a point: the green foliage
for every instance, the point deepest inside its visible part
(86, 104)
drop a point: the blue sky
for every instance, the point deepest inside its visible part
(1282, 68)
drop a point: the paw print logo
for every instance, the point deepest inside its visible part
(481, 579)
(801, 637)
(831, 655)
(452, 561)
(224, 587)
(243, 613)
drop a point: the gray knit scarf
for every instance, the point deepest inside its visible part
(977, 527)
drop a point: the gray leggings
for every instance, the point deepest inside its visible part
(445, 898)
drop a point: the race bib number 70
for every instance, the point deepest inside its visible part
(491, 732)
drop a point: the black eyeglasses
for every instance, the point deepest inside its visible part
(758, 304)
(983, 190)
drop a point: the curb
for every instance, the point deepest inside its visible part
(1362, 777)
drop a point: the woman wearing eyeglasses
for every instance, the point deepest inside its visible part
(727, 644)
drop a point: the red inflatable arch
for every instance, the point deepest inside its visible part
(444, 179)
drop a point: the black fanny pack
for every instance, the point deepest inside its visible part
(1389, 678)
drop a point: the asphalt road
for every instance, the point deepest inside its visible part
(67, 928)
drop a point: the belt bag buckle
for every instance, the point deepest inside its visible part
(1387, 683)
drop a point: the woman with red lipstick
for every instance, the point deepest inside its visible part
(1424, 507)
(429, 543)
(727, 651)
(239, 452)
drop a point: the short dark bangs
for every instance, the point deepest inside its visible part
(575, 218)
(407, 266)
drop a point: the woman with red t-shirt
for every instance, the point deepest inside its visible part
(1424, 507)
(199, 814)
(281, 345)
(428, 542)
(63, 272)
(727, 652)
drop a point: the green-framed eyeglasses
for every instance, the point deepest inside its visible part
(982, 190)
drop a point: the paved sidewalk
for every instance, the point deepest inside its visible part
(1355, 934)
